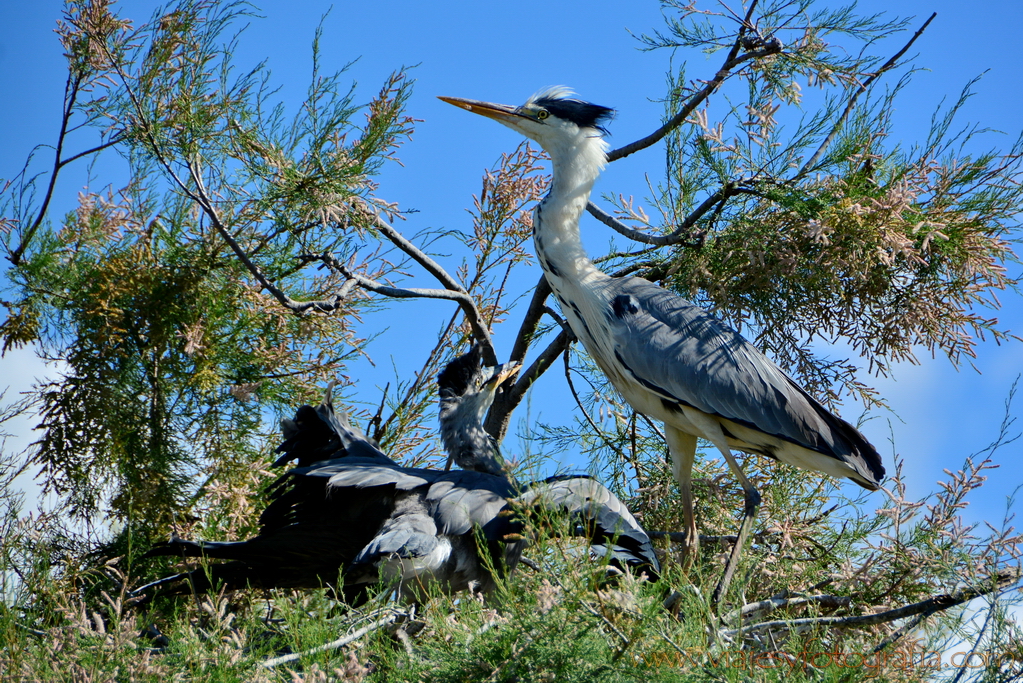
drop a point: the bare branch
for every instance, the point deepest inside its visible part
(469, 308)
(757, 609)
(71, 89)
(390, 615)
(938, 603)
(202, 198)
(593, 425)
(731, 61)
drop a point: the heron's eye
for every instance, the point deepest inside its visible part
(541, 114)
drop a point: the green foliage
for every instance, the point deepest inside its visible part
(171, 359)
(569, 621)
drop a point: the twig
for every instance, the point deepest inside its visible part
(593, 425)
(680, 536)
(337, 644)
(859, 91)
(897, 634)
(532, 564)
(731, 61)
(202, 198)
(472, 313)
(70, 95)
(927, 607)
(757, 609)
(607, 622)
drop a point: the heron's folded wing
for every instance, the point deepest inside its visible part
(600, 514)
(407, 536)
(683, 353)
(463, 501)
(366, 472)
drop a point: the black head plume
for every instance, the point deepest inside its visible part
(458, 377)
(563, 103)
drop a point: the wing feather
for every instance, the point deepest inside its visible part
(685, 354)
(605, 519)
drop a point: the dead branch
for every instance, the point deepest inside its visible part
(760, 608)
(391, 615)
(939, 603)
(459, 296)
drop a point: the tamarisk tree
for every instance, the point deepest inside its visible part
(231, 273)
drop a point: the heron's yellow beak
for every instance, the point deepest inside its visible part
(504, 372)
(498, 112)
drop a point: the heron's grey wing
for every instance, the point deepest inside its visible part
(462, 501)
(409, 533)
(367, 472)
(684, 354)
(599, 515)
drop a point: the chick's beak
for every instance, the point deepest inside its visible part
(502, 374)
(498, 112)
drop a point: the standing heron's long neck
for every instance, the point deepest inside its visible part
(556, 221)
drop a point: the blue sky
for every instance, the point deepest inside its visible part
(505, 51)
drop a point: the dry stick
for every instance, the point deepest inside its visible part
(337, 644)
(472, 313)
(754, 610)
(925, 607)
(731, 61)
(852, 100)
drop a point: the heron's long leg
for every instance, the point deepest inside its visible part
(751, 504)
(712, 431)
(682, 448)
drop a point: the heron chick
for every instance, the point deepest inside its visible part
(355, 517)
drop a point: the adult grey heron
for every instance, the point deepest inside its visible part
(670, 359)
(350, 512)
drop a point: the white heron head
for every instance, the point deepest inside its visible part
(554, 117)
